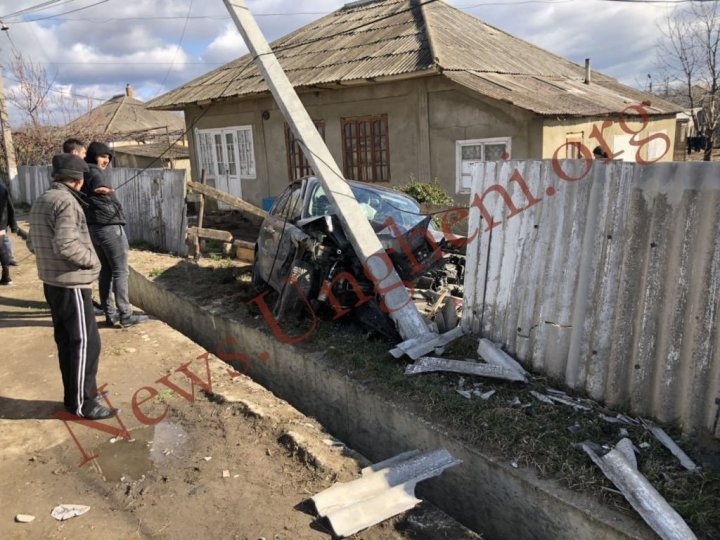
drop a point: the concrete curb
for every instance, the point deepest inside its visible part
(484, 494)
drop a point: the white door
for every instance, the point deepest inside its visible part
(228, 179)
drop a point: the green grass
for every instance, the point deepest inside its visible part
(155, 272)
(163, 396)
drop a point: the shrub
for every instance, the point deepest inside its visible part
(425, 193)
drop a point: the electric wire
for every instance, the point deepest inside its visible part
(177, 49)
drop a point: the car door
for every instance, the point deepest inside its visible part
(275, 248)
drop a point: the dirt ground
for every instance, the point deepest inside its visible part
(212, 468)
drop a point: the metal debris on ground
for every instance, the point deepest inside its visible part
(383, 491)
(492, 354)
(464, 393)
(484, 395)
(67, 511)
(416, 347)
(671, 445)
(542, 397)
(574, 403)
(428, 364)
(621, 469)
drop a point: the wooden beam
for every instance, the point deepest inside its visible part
(201, 214)
(244, 244)
(227, 199)
(212, 234)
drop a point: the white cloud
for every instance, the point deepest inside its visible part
(226, 47)
(102, 48)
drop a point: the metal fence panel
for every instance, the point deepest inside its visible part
(153, 201)
(610, 283)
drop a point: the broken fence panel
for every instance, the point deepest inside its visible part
(381, 492)
(428, 364)
(416, 347)
(671, 445)
(492, 354)
(542, 397)
(642, 496)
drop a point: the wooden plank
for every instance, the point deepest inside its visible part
(235, 202)
(243, 244)
(212, 234)
(201, 215)
(245, 254)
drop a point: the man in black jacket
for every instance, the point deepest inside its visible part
(106, 221)
(7, 219)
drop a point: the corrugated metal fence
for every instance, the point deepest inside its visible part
(153, 202)
(610, 283)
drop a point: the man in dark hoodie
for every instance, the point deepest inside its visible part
(106, 221)
(7, 219)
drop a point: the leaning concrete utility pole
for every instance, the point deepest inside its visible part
(7, 142)
(355, 224)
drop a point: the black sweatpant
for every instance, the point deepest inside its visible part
(78, 343)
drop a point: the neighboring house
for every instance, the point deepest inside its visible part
(406, 91)
(155, 155)
(124, 121)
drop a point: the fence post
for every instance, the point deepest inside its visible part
(201, 215)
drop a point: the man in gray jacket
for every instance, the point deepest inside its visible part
(68, 265)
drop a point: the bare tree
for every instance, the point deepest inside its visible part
(689, 53)
(46, 110)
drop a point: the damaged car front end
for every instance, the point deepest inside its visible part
(303, 253)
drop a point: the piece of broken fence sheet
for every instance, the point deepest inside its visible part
(428, 364)
(383, 491)
(620, 466)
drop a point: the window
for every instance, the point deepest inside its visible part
(469, 153)
(366, 152)
(227, 152)
(298, 165)
(573, 143)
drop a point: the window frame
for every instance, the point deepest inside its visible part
(298, 165)
(381, 166)
(475, 142)
(245, 170)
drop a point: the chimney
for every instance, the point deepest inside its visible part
(588, 71)
(129, 92)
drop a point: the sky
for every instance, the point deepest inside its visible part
(90, 49)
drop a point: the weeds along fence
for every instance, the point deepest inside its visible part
(610, 282)
(153, 202)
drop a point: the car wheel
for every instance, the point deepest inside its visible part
(296, 291)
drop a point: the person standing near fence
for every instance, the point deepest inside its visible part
(75, 147)
(106, 221)
(7, 219)
(68, 265)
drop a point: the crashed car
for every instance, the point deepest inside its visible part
(304, 255)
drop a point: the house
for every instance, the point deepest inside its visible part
(139, 136)
(156, 155)
(402, 90)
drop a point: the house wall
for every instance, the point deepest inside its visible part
(450, 112)
(456, 114)
(556, 132)
(398, 100)
(415, 154)
(133, 161)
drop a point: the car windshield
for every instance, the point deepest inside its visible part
(377, 205)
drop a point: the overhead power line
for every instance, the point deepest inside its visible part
(179, 45)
